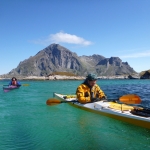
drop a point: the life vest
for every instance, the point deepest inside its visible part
(14, 82)
(84, 93)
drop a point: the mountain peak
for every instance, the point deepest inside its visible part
(58, 58)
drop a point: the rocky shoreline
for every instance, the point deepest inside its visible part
(54, 77)
(63, 77)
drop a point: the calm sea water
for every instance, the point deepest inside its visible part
(26, 122)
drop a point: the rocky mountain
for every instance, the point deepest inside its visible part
(58, 58)
(145, 74)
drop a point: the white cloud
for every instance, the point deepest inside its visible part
(62, 37)
(137, 55)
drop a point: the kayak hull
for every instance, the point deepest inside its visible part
(102, 108)
(9, 88)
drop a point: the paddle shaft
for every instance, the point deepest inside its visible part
(56, 101)
(73, 101)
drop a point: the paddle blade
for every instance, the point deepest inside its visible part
(53, 101)
(130, 99)
(25, 84)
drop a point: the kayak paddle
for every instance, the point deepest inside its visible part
(127, 99)
(53, 101)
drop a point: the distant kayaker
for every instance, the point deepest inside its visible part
(14, 82)
(89, 91)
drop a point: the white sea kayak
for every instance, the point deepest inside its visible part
(114, 110)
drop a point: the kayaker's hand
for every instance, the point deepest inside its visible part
(95, 99)
(104, 97)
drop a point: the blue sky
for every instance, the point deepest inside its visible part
(118, 28)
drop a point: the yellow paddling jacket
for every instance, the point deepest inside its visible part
(84, 93)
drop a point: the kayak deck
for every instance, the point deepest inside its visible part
(104, 108)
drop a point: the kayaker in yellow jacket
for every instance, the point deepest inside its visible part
(89, 91)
